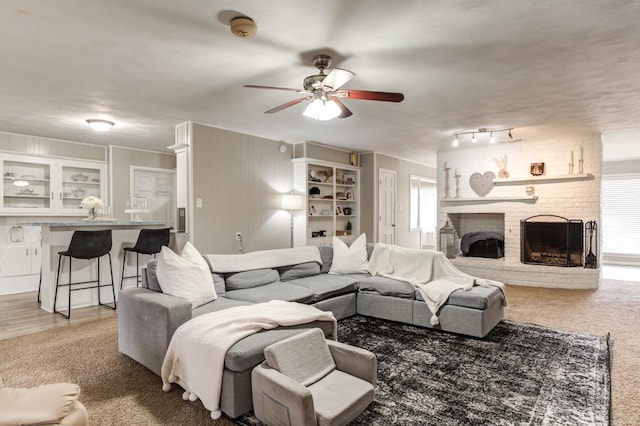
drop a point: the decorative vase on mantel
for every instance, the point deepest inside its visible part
(501, 162)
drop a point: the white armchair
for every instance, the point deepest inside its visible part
(52, 404)
(307, 380)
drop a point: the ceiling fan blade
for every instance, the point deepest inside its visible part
(345, 112)
(371, 96)
(253, 86)
(288, 104)
(336, 78)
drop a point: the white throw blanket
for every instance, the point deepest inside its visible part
(263, 259)
(427, 270)
(195, 358)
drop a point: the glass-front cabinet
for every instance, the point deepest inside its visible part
(78, 182)
(41, 186)
(27, 185)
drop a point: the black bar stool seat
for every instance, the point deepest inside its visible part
(150, 241)
(86, 245)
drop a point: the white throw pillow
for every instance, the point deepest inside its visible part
(186, 276)
(350, 260)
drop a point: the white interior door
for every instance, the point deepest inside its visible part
(387, 206)
(157, 186)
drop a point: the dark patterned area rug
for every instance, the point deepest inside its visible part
(517, 374)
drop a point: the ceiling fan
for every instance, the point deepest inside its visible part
(325, 93)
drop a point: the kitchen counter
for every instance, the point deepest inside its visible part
(101, 223)
(56, 236)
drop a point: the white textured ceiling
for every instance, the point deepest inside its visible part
(548, 68)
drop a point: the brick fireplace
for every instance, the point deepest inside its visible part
(521, 196)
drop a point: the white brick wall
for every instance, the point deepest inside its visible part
(573, 199)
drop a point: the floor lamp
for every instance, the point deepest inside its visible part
(291, 202)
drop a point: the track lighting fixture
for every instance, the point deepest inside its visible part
(480, 131)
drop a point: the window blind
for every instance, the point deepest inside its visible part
(621, 214)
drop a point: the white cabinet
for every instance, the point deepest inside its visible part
(19, 267)
(331, 201)
(19, 259)
(42, 186)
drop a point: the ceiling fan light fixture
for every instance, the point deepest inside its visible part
(455, 142)
(492, 139)
(473, 138)
(100, 125)
(322, 110)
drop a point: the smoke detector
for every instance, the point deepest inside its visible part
(243, 27)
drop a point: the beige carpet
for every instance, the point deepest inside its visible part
(115, 389)
(118, 391)
(613, 308)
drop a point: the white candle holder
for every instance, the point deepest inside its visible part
(580, 166)
(447, 188)
(570, 168)
(457, 176)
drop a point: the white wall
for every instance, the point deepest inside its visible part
(573, 199)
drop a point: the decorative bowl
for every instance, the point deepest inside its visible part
(79, 177)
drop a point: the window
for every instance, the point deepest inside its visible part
(423, 205)
(620, 214)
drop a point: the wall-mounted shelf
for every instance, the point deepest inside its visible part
(532, 179)
(488, 199)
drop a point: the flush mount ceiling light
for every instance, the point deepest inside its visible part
(243, 27)
(100, 125)
(483, 130)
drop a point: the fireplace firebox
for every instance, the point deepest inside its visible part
(551, 240)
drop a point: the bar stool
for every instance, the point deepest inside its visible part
(86, 245)
(150, 241)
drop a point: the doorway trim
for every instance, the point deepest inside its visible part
(169, 172)
(395, 202)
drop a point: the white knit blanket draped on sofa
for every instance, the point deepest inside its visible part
(263, 259)
(195, 357)
(427, 270)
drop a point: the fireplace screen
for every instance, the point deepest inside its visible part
(556, 241)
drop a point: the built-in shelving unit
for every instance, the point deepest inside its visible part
(535, 179)
(338, 186)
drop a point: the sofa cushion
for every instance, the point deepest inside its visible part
(352, 259)
(326, 253)
(249, 352)
(387, 287)
(325, 286)
(186, 275)
(153, 284)
(250, 279)
(305, 358)
(476, 298)
(274, 291)
(217, 305)
(300, 270)
(152, 277)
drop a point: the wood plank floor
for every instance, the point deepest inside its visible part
(20, 314)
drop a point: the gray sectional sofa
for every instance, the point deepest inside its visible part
(148, 318)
